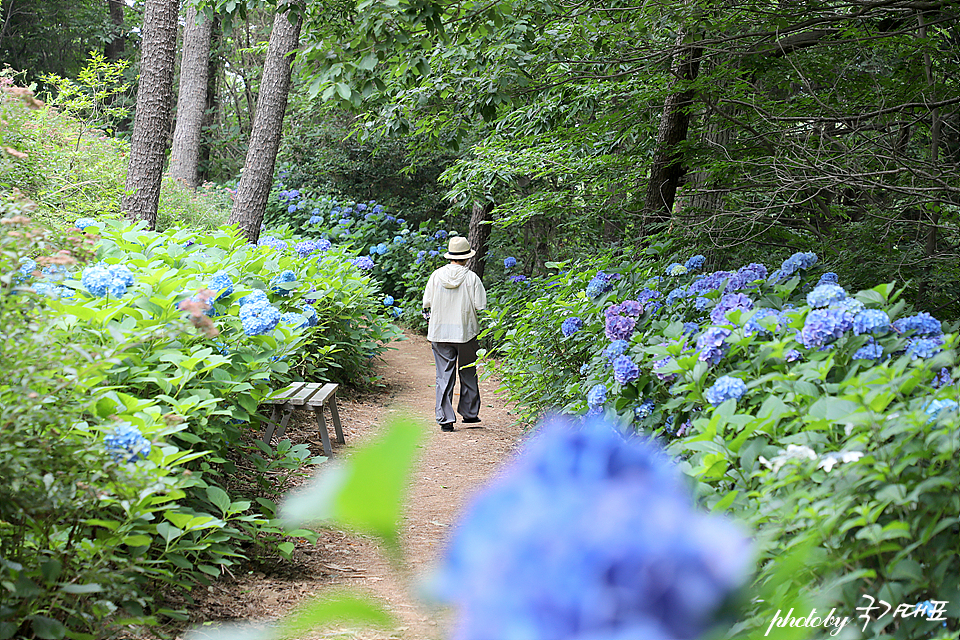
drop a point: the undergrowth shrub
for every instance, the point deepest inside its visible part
(824, 419)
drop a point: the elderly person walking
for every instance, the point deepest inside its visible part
(451, 300)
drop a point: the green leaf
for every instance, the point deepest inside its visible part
(51, 570)
(91, 587)
(47, 628)
(335, 607)
(343, 90)
(365, 491)
(219, 497)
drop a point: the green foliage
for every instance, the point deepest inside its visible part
(92, 99)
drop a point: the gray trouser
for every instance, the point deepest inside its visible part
(446, 355)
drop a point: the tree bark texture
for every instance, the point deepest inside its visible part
(211, 110)
(152, 122)
(115, 45)
(254, 187)
(191, 100)
(667, 168)
(479, 236)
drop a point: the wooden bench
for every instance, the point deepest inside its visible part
(304, 395)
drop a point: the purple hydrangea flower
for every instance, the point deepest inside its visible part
(662, 362)
(363, 262)
(644, 409)
(634, 308)
(709, 282)
(619, 327)
(570, 326)
(599, 285)
(690, 328)
(729, 302)
(625, 370)
(711, 345)
(942, 379)
(616, 348)
(746, 276)
(517, 278)
(823, 326)
(725, 388)
(793, 356)
(556, 547)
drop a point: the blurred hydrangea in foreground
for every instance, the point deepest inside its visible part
(588, 535)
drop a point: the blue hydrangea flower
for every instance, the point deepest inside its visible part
(690, 328)
(644, 409)
(310, 314)
(711, 345)
(872, 321)
(83, 223)
(305, 248)
(294, 319)
(556, 547)
(292, 208)
(517, 278)
(676, 269)
(825, 294)
(285, 277)
(322, 245)
(584, 368)
(597, 396)
(382, 248)
(599, 285)
(729, 302)
(709, 282)
(625, 370)
(701, 303)
(869, 351)
(434, 254)
(619, 327)
(274, 243)
(509, 262)
(695, 262)
(850, 305)
(440, 235)
(315, 220)
(936, 406)
(924, 347)
(922, 324)
(798, 261)
(259, 317)
(823, 326)
(753, 324)
(51, 290)
(793, 356)
(401, 221)
(257, 295)
(388, 301)
(363, 262)
(220, 281)
(746, 276)
(570, 326)
(121, 274)
(396, 312)
(676, 295)
(616, 348)
(829, 278)
(725, 388)
(125, 443)
(942, 379)
(27, 267)
(100, 280)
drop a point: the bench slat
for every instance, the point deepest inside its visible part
(322, 394)
(304, 394)
(284, 395)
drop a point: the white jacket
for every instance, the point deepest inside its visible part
(454, 294)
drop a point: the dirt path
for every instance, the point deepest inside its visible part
(451, 468)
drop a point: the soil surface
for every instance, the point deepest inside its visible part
(452, 466)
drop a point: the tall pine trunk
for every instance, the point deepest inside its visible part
(668, 167)
(191, 100)
(254, 187)
(116, 42)
(152, 123)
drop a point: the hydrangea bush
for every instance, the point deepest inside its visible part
(737, 368)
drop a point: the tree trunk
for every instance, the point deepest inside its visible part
(116, 41)
(212, 107)
(191, 100)
(254, 187)
(152, 122)
(479, 235)
(931, 216)
(668, 168)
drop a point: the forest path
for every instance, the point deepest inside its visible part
(451, 467)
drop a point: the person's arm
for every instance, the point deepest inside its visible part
(479, 295)
(427, 298)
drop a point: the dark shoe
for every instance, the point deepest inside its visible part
(471, 420)
(446, 427)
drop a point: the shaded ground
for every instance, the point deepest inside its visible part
(452, 466)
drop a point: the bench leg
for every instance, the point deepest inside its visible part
(324, 435)
(271, 425)
(284, 422)
(336, 419)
